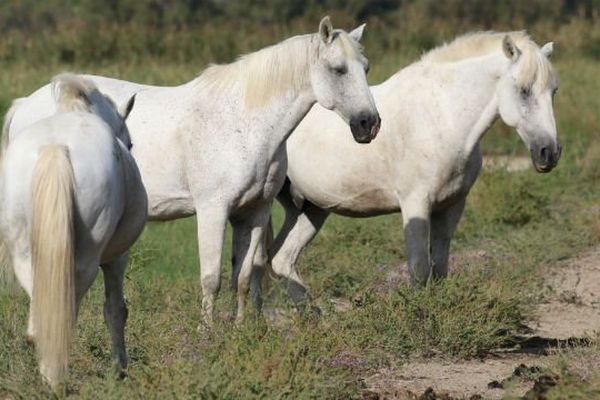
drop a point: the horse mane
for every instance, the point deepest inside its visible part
(535, 66)
(73, 92)
(271, 70)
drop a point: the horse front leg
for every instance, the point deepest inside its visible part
(211, 232)
(250, 230)
(115, 309)
(443, 226)
(416, 216)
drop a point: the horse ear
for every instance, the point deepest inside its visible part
(126, 110)
(547, 49)
(85, 97)
(357, 33)
(510, 49)
(326, 30)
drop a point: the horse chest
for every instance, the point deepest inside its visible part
(263, 180)
(457, 179)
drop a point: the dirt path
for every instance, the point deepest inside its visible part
(571, 311)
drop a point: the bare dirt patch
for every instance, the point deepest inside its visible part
(572, 308)
(486, 378)
(570, 312)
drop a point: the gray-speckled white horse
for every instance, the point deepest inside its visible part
(215, 146)
(427, 155)
(71, 199)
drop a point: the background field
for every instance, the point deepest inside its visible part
(517, 225)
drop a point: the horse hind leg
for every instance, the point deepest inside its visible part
(260, 265)
(299, 228)
(115, 309)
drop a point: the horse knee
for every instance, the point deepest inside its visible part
(211, 283)
(281, 267)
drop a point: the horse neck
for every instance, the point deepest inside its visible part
(469, 97)
(476, 105)
(272, 102)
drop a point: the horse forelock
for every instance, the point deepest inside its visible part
(73, 93)
(352, 48)
(535, 67)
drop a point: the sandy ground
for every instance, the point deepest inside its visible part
(570, 312)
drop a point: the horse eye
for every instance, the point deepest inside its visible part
(340, 70)
(367, 68)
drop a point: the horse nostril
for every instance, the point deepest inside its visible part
(364, 123)
(545, 154)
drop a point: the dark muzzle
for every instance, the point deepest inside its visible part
(365, 127)
(545, 156)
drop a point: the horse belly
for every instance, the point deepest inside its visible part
(167, 206)
(367, 204)
(162, 168)
(350, 199)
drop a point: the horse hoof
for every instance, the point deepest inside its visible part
(316, 311)
(309, 311)
(30, 339)
(121, 374)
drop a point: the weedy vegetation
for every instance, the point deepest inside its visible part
(521, 222)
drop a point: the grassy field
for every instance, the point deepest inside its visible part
(522, 222)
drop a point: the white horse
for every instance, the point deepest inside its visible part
(427, 155)
(215, 146)
(71, 200)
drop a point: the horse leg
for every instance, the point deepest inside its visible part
(23, 270)
(261, 260)
(211, 232)
(299, 228)
(443, 226)
(251, 230)
(115, 310)
(416, 215)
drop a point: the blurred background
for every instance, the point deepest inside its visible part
(87, 32)
(171, 41)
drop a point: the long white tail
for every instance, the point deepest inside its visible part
(53, 246)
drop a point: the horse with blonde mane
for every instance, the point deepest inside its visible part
(215, 146)
(71, 200)
(427, 156)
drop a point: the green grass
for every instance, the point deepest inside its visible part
(522, 221)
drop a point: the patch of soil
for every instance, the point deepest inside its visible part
(489, 378)
(571, 311)
(573, 307)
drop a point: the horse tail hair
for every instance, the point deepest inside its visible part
(7, 277)
(53, 260)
